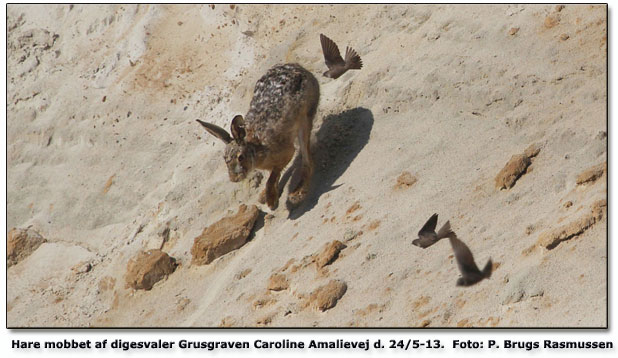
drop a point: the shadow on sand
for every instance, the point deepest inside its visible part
(338, 141)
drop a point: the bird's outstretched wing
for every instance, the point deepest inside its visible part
(464, 257)
(430, 225)
(332, 56)
(352, 59)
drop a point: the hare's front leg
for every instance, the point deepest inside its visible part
(278, 161)
(271, 192)
(304, 137)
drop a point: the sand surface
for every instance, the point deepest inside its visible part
(104, 155)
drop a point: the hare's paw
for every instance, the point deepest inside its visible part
(271, 194)
(297, 196)
(262, 197)
(272, 199)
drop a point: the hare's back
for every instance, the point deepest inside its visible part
(277, 98)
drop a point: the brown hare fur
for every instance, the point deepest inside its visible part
(284, 103)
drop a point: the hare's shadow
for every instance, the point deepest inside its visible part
(337, 142)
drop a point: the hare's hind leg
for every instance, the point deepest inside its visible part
(304, 141)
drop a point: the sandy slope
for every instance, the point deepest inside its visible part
(104, 154)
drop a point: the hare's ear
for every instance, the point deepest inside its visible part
(238, 128)
(216, 131)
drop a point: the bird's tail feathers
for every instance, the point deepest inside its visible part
(487, 269)
(352, 59)
(445, 231)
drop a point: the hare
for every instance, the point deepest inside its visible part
(284, 102)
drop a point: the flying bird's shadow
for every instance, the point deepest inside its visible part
(337, 143)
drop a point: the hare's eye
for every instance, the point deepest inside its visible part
(241, 158)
